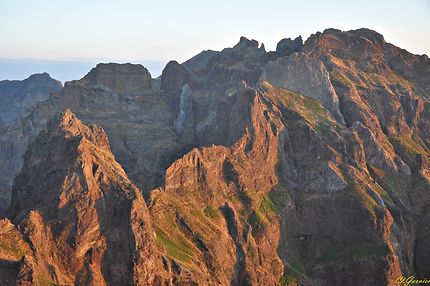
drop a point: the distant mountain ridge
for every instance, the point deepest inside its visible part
(18, 96)
(308, 165)
(63, 69)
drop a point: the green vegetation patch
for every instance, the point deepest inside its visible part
(279, 196)
(258, 217)
(44, 281)
(12, 249)
(342, 78)
(358, 189)
(212, 212)
(411, 146)
(267, 206)
(395, 181)
(308, 108)
(13, 245)
(291, 277)
(180, 250)
(256, 220)
(198, 214)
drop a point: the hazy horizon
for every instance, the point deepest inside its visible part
(66, 39)
(63, 69)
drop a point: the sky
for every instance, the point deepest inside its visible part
(67, 38)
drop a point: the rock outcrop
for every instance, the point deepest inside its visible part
(241, 62)
(119, 78)
(12, 250)
(308, 76)
(286, 47)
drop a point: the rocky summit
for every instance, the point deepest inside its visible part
(308, 165)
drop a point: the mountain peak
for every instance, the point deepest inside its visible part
(65, 142)
(40, 76)
(174, 76)
(120, 78)
(17, 96)
(246, 43)
(357, 44)
(352, 35)
(68, 120)
(288, 46)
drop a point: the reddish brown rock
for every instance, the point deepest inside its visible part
(87, 224)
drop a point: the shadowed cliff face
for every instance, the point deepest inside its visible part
(16, 98)
(308, 165)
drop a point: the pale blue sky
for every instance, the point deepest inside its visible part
(138, 31)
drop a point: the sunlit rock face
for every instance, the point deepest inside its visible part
(308, 165)
(88, 224)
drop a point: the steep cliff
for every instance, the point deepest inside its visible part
(85, 221)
